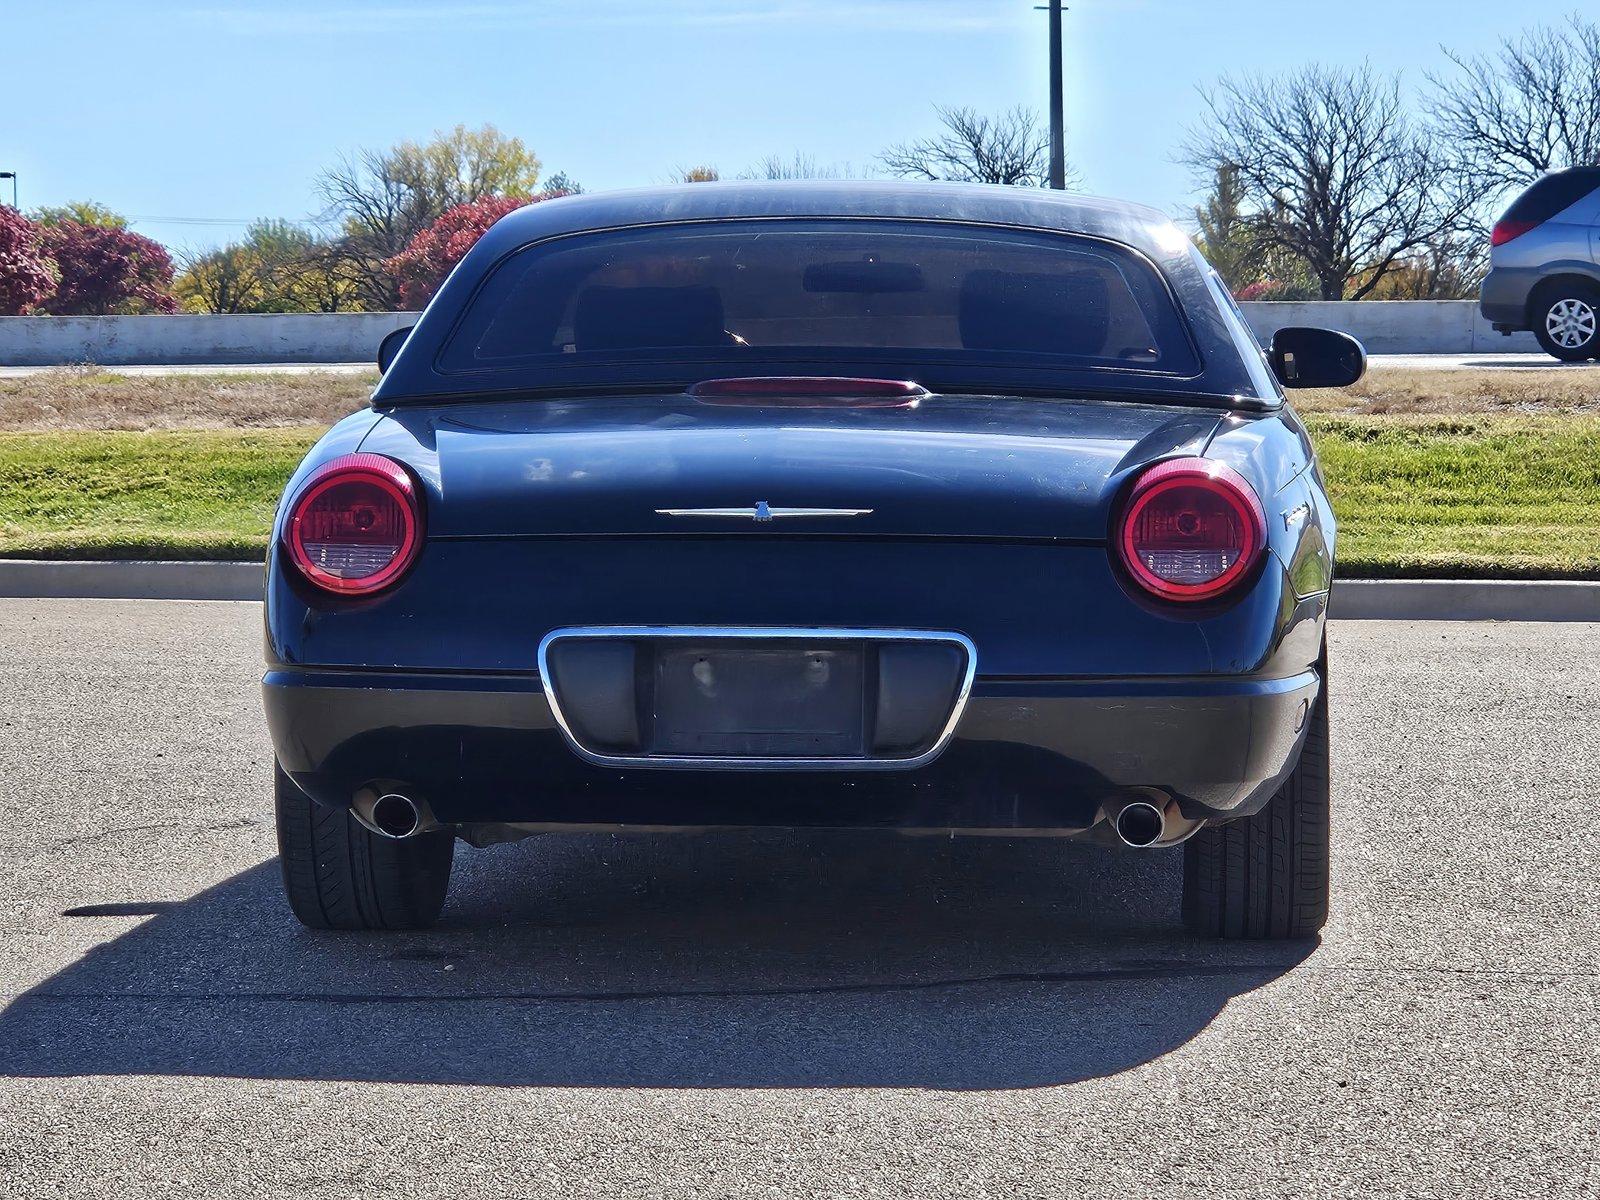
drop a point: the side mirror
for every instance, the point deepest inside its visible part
(390, 346)
(1316, 358)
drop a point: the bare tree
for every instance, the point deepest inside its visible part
(975, 148)
(1448, 268)
(381, 199)
(375, 205)
(801, 166)
(1531, 108)
(1332, 170)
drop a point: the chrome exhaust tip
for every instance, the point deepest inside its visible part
(1140, 824)
(395, 816)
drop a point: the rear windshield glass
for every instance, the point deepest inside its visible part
(763, 293)
(1554, 194)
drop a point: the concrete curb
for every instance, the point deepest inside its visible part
(1465, 600)
(1353, 599)
(132, 580)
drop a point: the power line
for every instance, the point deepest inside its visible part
(194, 220)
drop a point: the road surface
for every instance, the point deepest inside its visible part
(782, 1016)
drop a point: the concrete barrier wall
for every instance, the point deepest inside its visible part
(1384, 327)
(1394, 326)
(247, 338)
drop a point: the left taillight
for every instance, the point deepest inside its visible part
(1191, 529)
(355, 527)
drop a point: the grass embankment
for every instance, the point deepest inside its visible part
(1480, 496)
(181, 494)
(1508, 488)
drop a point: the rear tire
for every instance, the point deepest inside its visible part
(1566, 319)
(340, 875)
(1266, 876)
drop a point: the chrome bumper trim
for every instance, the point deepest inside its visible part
(734, 632)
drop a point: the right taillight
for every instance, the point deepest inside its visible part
(356, 525)
(1506, 230)
(1191, 529)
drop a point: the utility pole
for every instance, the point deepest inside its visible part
(1058, 123)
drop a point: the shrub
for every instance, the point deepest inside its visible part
(27, 276)
(104, 269)
(421, 267)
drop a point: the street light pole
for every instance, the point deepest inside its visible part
(1058, 123)
(11, 175)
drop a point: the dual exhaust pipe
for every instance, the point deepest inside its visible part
(393, 814)
(1140, 820)
(1146, 819)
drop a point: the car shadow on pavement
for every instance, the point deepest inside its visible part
(724, 960)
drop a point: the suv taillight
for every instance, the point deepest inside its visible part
(1506, 230)
(356, 525)
(1191, 529)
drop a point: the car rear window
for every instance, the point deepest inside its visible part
(846, 293)
(1553, 194)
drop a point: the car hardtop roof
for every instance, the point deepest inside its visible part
(1232, 372)
(1142, 227)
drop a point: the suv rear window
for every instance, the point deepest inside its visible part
(1553, 194)
(747, 293)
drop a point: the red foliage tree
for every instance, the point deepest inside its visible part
(26, 277)
(430, 256)
(105, 270)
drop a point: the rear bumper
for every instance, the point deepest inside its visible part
(1028, 755)
(1503, 297)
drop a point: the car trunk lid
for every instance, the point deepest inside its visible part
(949, 466)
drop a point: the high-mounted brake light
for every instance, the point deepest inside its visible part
(1192, 529)
(356, 525)
(1506, 230)
(810, 391)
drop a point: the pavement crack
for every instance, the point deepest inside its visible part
(117, 830)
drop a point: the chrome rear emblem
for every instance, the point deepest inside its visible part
(762, 511)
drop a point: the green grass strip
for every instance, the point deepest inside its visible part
(1475, 496)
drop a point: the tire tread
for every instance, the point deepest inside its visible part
(1266, 875)
(337, 874)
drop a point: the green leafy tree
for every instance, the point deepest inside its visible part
(277, 267)
(81, 212)
(225, 280)
(1226, 234)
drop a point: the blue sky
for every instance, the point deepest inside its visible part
(208, 109)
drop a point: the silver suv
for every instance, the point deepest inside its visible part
(1545, 265)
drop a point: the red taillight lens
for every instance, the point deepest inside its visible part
(356, 525)
(1191, 529)
(1507, 230)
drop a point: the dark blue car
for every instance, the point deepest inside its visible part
(914, 507)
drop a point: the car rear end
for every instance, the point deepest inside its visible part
(1545, 264)
(571, 580)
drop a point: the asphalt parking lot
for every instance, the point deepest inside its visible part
(770, 1015)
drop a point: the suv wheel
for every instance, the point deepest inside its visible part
(1266, 876)
(1566, 320)
(338, 874)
